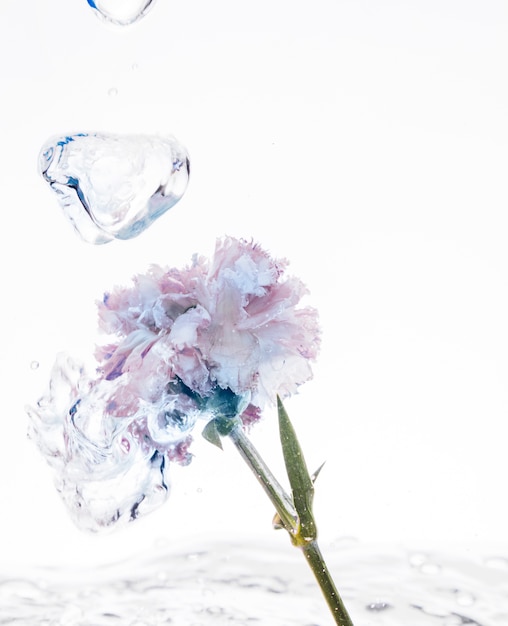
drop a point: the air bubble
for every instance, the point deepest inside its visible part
(114, 186)
(378, 606)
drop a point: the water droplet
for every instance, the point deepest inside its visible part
(114, 186)
(112, 92)
(121, 12)
(34, 365)
(378, 606)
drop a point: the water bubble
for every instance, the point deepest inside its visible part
(114, 186)
(34, 365)
(121, 12)
(378, 606)
(173, 420)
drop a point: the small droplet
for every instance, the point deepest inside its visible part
(112, 92)
(121, 12)
(378, 606)
(34, 365)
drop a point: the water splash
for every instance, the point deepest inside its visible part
(227, 582)
(121, 12)
(114, 186)
(110, 450)
(106, 474)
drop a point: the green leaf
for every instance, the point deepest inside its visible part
(211, 433)
(217, 428)
(299, 478)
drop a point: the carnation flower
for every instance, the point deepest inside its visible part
(223, 337)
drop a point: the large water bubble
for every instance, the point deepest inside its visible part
(121, 12)
(114, 186)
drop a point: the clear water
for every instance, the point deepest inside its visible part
(228, 583)
(114, 186)
(121, 12)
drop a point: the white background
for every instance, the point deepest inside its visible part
(367, 142)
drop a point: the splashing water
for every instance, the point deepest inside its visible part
(121, 12)
(226, 582)
(114, 186)
(112, 460)
(106, 474)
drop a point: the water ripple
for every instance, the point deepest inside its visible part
(235, 584)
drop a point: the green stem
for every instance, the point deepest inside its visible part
(288, 515)
(320, 570)
(279, 498)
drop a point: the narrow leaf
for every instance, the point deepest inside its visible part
(298, 474)
(211, 433)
